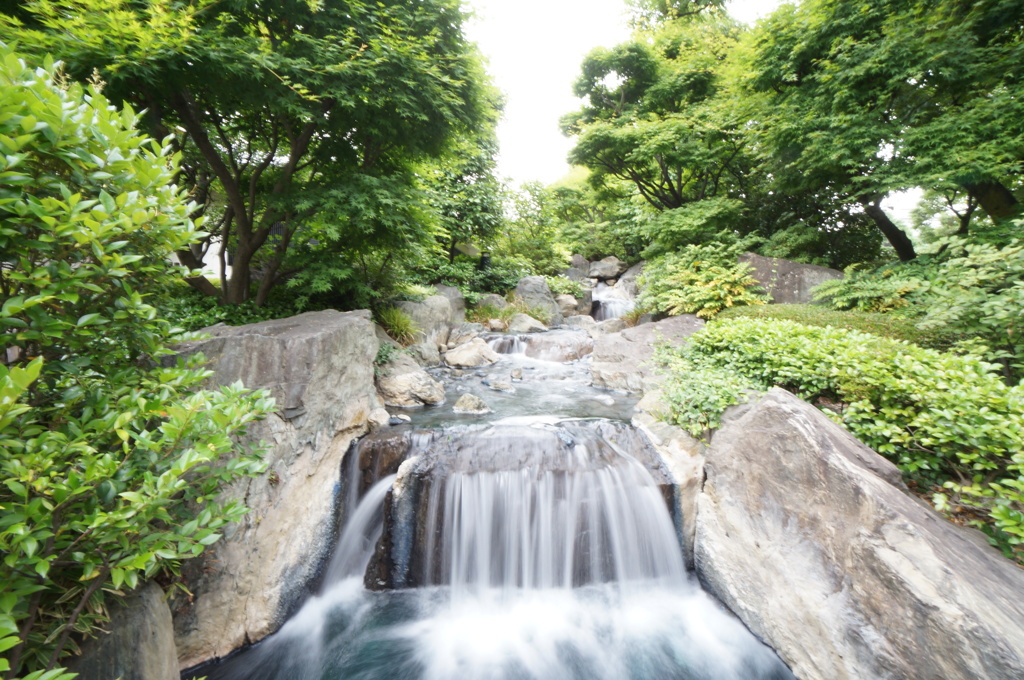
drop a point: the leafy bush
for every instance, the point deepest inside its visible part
(191, 310)
(880, 290)
(499, 277)
(484, 313)
(111, 462)
(398, 325)
(701, 280)
(944, 419)
(978, 291)
(563, 285)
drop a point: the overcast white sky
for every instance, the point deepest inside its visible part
(535, 48)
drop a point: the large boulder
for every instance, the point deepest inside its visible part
(492, 300)
(403, 383)
(566, 305)
(474, 353)
(318, 366)
(139, 644)
(621, 360)
(813, 541)
(610, 267)
(456, 300)
(432, 317)
(579, 262)
(463, 333)
(524, 323)
(535, 294)
(627, 286)
(559, 345)
(788, 282)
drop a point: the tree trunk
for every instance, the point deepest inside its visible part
(899, 240)
(200, 283)
(995, 199)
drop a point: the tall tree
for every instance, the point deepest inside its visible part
(278, 105)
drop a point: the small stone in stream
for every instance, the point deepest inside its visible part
(517, 374)
(499, 386)
(471, 404)
(399, 419)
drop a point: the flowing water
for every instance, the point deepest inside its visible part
(610, 302)
(517, 546)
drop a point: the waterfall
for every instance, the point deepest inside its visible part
(534, 547)
(507, 344)
(610, 302)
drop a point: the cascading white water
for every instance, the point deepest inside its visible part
(550, 554)
(610, 303)
(507, 344)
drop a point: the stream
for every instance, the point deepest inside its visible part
(535, 542)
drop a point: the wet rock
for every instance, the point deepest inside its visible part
(471, 404)
(139, 644)
(492, 300)
(378, 418)
(463, 333)
(470, 355)
(403, 383)
(610, 267)
(580, 321)
(813, 541)
(610, 326)
(586, 303)
(627, 284)
(432, 317)
(500, 386)
(456, 300)
(621, 360)
(788, 282)
(400, 418)
(560, 345)
(318, 366)
(516, 374)
(535, 294)
(523, 323)
(566, 304)
(425, 353)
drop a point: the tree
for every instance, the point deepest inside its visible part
(111, 462)
(281, 106)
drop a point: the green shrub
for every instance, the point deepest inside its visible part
(191, 310)
(398, 325)
(879, 290)
(701, 280)
(943, 419)
(563, 285)
(111, 463)
(484, 313)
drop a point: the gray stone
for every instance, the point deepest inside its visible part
(627, 284)
(566, 304)
(621, 360)
(574, 274)
(474, 353)
(140, 644)
(813, 541)
(501, 386)
(611, 326)
(786, 281)
(384, 338)
(456, 300)
(403, 383)
(560, 345)
(471, 404)
(683, 456)
(579, 262)
(535, 294)
(516, 374)
(378, 418)
(586, 303)
(496, 325)
(583, 321)
(432, 317)
(425, 353)
(318, 366)
(610, 267)
(492, 300)
(463, 333)
(524, 323)
(400, 419)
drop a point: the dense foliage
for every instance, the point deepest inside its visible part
(701, 280)
(112, 454)
(948, 421)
